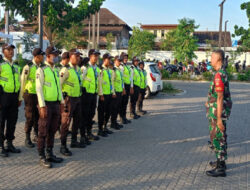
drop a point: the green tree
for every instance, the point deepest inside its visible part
(185, 43)
(29, 42)
(140, 42)
(71, 38)
(59, 15)
(168, 43)
(244, 33)
(110, 38)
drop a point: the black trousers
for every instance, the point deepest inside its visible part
(31, 113)
(8, 116)
(88, 111)
(134, 99)
(116, 105)
(125, 98)
(104, 111)
(72, 111)
(48, 126)
(141, 99)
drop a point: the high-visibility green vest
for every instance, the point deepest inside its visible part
(51, 87)
(106, 82)
(30, 85)
(72, 86)
(126, 74)
(90, 82)
(143, 79)
(10, 77)
(118, 81)
(137, 77)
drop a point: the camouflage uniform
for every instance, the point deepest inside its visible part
(218, 138)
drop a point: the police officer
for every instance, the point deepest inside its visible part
(135, 72)
(64, 62)
(28, 90)
(128, 84)
(49, 96)
(106, 92)
(219, 106)
(90, 74)
(71, 81)
(10, 100)
(143, 87)
(119, 91)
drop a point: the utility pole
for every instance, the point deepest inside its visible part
(221, 20)
(40, 11)
(7, 22)
(98, 29)
(93, 31)
(225, 35)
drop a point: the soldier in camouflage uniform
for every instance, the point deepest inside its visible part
(219, 106)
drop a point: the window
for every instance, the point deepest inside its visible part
(155, 33)
(162, 33)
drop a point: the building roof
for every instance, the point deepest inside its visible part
(214, 37)
(158, 26)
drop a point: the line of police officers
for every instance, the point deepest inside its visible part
(56, 95)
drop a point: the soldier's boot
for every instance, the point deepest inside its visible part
(64, 150)
(119, 125)
(102, 133)
(114, 126)
(92, 137)
(74, 143)
(219, 171)
(106, 130)
(11, 148)
(43, 160)
(3, 152)
(51, 157)
(28, 142)
(134, 115)
(124, 120)
(213, 164)
(83, 142)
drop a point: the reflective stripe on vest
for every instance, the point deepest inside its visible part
(51, 87)
(10, 77)
(72, 86)
(118, 81)
(30, 85)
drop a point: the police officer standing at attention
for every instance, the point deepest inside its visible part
(143, 87)
(28, 90)
(219, 106)
(64, 62)
(10, 99)
(106, 92)
(71, 81)
(49, 96)
(90, 74)
(136, 87)
(128, 85)
(119, 91)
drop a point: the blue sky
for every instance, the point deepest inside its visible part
(205, 12)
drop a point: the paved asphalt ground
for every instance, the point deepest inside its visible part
(166, 149)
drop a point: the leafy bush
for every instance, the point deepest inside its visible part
(244, 76)
(208, 76)
(21, 62)
(165, 74)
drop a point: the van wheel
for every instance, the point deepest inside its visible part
(147, 93)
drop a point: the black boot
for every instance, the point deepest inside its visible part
(82, 143)
(128, 121)
(106, 130)
(43, 161)
(65, 151)
(51, 157)
(28, 142)
(74, 143)
(213, 164)
(124, 121)
(102, 133)
(219, 171)
(3, 152)
(114, 126)
(92, 137)
(134, 116)
(119, 125)
(11, 148)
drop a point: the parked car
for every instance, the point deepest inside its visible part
(154, 81)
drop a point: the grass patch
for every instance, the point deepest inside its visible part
(169, 88)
